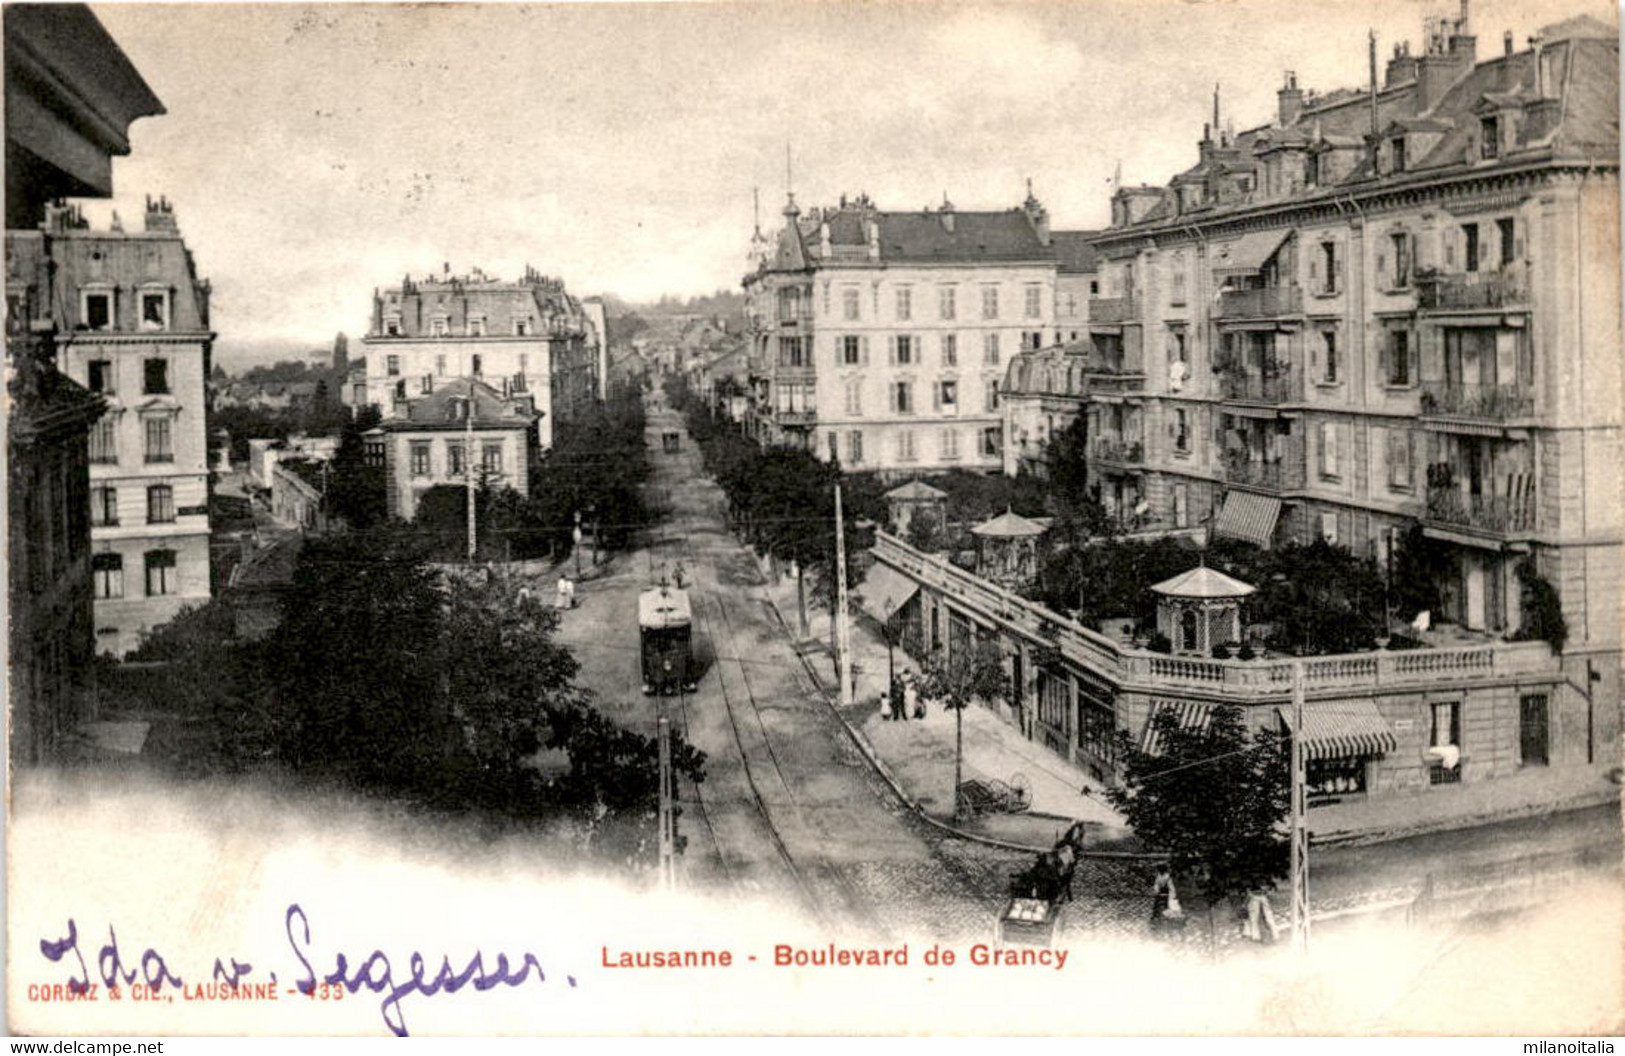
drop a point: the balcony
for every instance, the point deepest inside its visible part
(1265, 303)
(1506, 287)
(1273, 387)
(1115, 375)
(1118, 451)
(1268, 476)
(1110, 310)
(1485, 514)
(1497, 403)
(792, 320)
(797, 418)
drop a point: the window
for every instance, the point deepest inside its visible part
(791, 352)
(905, 303)
(440, 364)
(521, 327)
(1533, 730)
(1401, 448)
(990, 302)
(1489, 142)
(1328, 450)
(903, 350)
(947, 397)
(455, 454)
(849, 303)
(851, 350)
(950, 350)
(1182, 430)
(155, 377)
(1469, 234)
(98, 311)
(789, 304)
(159, 448)
(1328, 350)
(400, 390)
(1397, 154)
(948, 445)
(853, 397)
(491, 458)
(1342, 776)
(438, 326)
(1032, 340)
(103, 507)
(392, 327)
(358, 394)
(1328, 528)
(1400, 244)
(1176, 294)
(104, 441)
(1446, 734)
(475, 365)
(1094, 287)
(392, 365)
(854, 447)
(160, 504)
(162, 577)
(1331, 267)
(947, 302)
(426, 383)
(992, 395)
(107, 572)
(1507, 230)
(992, 441)
(375, 453)
(420, 458)
(905, 445)
(1033, 300)
(99, 376)
(990, 349)
(1398, 354)
(476, 326)
(833, 442)
(1182, 506)
(902, 401)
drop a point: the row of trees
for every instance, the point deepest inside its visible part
(386, 676)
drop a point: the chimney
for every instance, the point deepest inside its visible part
(874, 238)
(1506, 43)
(947, 213)
(1289, 101)
(1037, 214)
(1401, 68)
(160, 216)
(823, 239)
(1537, 45)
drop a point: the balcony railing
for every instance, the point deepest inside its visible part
(1493, 514)
(1265, 303)
(1115, 375)
(800, 317)
(796, 417)
(1495, 402)
(1121, 452)
(1271, 476)
(1276, 387)
(1467, 291)
(1113, 309)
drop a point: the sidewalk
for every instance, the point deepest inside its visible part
(919, 754)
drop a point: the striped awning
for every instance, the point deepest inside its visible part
(1248, 516)
(1342, 729)
(1249, 253)
(1191, 715)
(885, 590)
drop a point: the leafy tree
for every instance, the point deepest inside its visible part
(1079, 514)
(925, 532)
(356, 492)
(1214, 799)
(967, 672)
(1542, 610)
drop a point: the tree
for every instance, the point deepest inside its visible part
(925, 531)
(967, 673)
(1542, 610)
(357, 493)
(1079, 514)
(1214, 799)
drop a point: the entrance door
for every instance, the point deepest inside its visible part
(1533, 729)
(1473, 573)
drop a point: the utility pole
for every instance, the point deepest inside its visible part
(468, 470)
(843, 626)
(1300, 828)
(668, 842)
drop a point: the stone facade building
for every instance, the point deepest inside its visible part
(528, 339)
(880, 338)
(427, 443)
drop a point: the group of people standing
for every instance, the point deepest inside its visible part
(903, 700)
(1257, 916)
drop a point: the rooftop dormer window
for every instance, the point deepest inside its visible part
(1396, 154)
(155, 309)
(1489, 138)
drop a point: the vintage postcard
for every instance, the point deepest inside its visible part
(842, 518)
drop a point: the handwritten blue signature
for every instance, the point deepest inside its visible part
(375, 973)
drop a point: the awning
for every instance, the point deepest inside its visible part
(1248, 517)
(1248, 253)
(885, 591)
(1191, 716)
(1342, 729)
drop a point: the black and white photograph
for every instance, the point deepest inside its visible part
(901, 518)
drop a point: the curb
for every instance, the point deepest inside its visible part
(862, 742)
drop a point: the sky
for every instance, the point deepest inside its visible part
(314, 152)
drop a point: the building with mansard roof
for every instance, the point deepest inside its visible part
(430, 441)
(529, 339)
(880, 338)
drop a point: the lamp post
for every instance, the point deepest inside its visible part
(575, 537)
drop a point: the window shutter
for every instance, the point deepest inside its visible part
(1337, 265)
(891, 350)
(936, 396)
(1314, 269)
(863, 350)
(1382, 265)
(1413, 368)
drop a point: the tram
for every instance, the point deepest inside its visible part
(665, 633)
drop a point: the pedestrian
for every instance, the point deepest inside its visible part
(677, 574)
(562, 599)
(1260, 917)
(906, 701)
(1166, 912)
(896, 695)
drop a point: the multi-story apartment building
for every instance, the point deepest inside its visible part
(1384, 308)
(134, 322)
(1077, 281)
(65, 76)
(1044, 392)
(431, 441)
(880, 338)
(527, 339)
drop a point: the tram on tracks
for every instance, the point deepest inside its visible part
(665, 632)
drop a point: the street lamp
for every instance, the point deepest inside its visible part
(575, 536)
